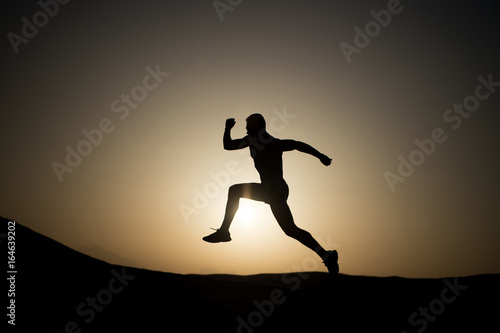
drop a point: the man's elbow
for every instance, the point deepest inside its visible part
(226, 143)
(228, 146)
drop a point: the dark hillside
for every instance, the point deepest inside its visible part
(60, 290)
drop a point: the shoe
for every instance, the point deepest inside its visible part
(331, 262)
(218, 236)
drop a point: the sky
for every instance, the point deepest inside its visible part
(113, 114)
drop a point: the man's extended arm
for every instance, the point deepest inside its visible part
(305, 148)
(230, 144)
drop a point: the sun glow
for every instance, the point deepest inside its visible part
(245, 212)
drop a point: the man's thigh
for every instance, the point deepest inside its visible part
(254, 191)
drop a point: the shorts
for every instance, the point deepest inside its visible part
(275, 191)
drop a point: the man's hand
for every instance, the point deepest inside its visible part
(230, 123)
(325, 160)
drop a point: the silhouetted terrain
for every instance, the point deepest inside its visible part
(61, 290)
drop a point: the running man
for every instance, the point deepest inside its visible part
(267, 152)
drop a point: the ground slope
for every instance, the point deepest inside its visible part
(60, 290)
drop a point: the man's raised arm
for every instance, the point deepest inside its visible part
(230, 144)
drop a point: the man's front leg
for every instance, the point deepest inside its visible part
(232, 205)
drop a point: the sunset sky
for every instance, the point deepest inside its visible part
(142, 89)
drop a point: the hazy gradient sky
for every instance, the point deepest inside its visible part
(163, 143)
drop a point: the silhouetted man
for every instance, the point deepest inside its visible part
(267, 152)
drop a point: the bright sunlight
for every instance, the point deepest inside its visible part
(246, 213)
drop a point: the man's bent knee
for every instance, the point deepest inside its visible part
(236, 191)
(233, 190)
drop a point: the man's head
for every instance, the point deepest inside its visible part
(255, 124)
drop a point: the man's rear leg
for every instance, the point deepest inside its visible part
(284, 217)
